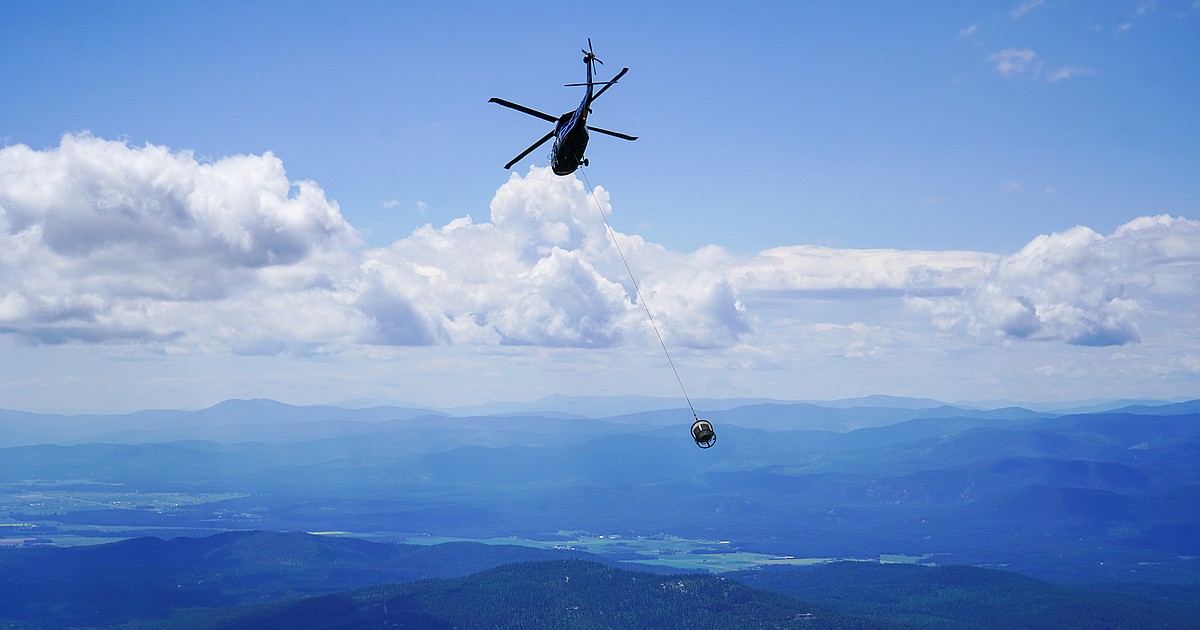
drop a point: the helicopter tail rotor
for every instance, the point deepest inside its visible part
(589, 56)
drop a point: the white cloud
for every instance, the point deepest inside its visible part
(543, 272)
(1078, 286)
(804, 270)
(107, 245)
(391, 204)
(105, 242)
(968, 31)
(1025, 7)
(1144, 8)
(1068, 72)
(1023, 62)
(1014, 61)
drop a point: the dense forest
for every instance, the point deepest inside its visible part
(556, 594)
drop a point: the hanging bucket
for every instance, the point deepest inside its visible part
(703, 433)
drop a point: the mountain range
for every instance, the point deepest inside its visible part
(1104, 500)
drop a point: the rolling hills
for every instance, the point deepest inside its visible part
(257, 579)
(1110, 496)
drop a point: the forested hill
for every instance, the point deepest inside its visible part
(568, 594)
(110, 584)
(294, 580)
(964, 597)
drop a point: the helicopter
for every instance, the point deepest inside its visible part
(571, 129)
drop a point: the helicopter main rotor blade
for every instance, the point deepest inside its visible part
(531, 148)
(521, 108)
(615, 134)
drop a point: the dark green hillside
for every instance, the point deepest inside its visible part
(968, 597)
(554, 594)
(149, 577)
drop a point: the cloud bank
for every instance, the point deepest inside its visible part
(1080, 287)
(102, 243)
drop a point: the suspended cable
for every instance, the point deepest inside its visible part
(613, 235)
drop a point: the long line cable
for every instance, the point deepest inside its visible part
(637, 290)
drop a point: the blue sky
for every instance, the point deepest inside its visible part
(953, 200)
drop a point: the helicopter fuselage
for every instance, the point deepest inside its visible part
(570, 142)
(571, 134)
(571, 129)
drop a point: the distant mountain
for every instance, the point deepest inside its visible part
(598, 406)
(1160, 408)
(1071, 407)
(784, 416)
(231, 420)
(368, 403)
(275, 422)
(19, 428)
(880, 400)
(612, 406)
(555, 594)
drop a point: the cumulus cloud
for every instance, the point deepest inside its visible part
(104, 243)
(525, 278)
(544, 272)
(1078, 286)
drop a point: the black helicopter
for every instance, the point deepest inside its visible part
(571, 129)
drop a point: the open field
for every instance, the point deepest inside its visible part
(665, 550)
